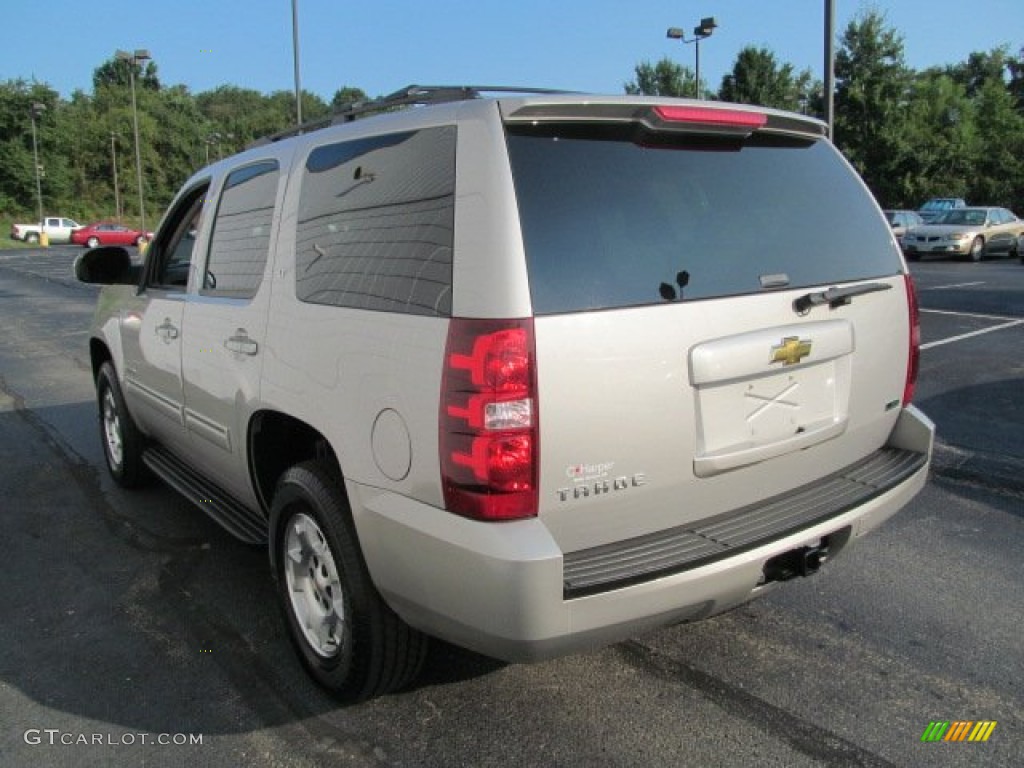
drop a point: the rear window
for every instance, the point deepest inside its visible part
(611, 223)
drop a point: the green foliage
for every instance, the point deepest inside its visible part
(80, 138)
(666, 78)
(347, 95)
(757, 78)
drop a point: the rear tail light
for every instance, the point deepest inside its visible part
(914, 356)
(488, 419)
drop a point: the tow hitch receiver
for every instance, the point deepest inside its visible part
(797, 562)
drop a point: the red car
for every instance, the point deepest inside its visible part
(108, 233)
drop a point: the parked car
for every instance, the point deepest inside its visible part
(57, 229)
(531, 373)
(108, 233)
(967, 232)
(902, 221)
(937, 206)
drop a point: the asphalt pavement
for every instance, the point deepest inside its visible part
(972, 369)
(132, 617)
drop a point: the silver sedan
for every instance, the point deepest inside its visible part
(967, 232)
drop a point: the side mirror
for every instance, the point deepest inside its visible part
(109, 265)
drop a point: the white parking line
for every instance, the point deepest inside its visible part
(973, 315)
(953, 285)
(963, 336)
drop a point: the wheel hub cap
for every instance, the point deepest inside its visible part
(314, 588)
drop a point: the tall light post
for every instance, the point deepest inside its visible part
(706, 28)
(113, 163)
(295, 53)
(140, 54)
(830, 67)
(36, 110)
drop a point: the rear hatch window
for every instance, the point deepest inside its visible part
(610, 221)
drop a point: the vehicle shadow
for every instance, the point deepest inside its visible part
(133, 608)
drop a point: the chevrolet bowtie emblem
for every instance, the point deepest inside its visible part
(791, 351)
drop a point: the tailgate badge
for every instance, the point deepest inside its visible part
(791, 351)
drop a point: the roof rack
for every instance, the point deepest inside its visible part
(409, 96)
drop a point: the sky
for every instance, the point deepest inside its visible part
(384, 45)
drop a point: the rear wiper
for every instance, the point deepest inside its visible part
(836, 297)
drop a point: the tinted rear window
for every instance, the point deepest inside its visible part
(611, 223)
(376, 222)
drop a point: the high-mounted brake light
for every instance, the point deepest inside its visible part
(914, 355)
(488, 419)
(733, 118)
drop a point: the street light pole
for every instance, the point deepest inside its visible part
(830, 67)
(34, 112)
(295, 53)
(113, 162)
(705, 30)
(133, 59)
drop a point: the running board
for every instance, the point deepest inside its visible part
(237, 519)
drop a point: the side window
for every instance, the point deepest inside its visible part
(376, 221)
(170, 257)
(241, 232)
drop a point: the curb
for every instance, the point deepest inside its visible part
(992, 470)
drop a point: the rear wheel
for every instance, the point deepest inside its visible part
(123, 443)
(977, 249)
(32, 237)
(350, 641)
(139, 241)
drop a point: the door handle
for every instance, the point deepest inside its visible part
(166, 330)
(241, 343)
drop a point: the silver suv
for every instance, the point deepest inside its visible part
(530, 373)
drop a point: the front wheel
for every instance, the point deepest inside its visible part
(92, 242)
(349, 640)
(977, 249)
(123, 443)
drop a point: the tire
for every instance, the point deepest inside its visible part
(139, 241)
(122, 441)
(977, 252)
(32, 237)
(92, 242)
(349, 640)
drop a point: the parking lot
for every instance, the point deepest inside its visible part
(133, 618)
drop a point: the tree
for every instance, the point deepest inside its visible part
(115, 72)
(17, 172)
(757, 78)
(940, 128)
(666, 78)
(872, 95)
(1016, 86)
(347, 95)
(981, 68)
(997, 175)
